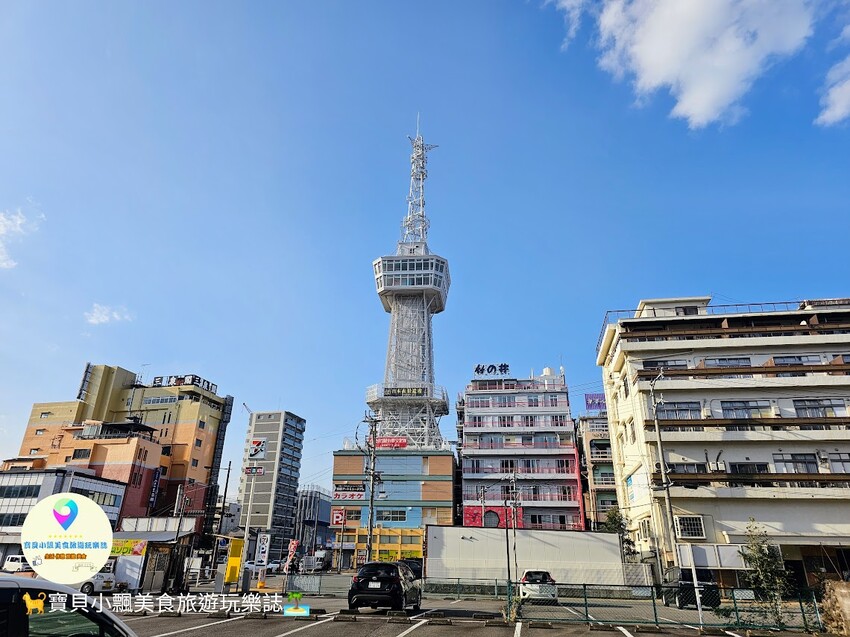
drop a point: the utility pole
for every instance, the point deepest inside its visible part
(514, 504)
(668, 505)
(221, 517)
(372, 421)
(248, 523)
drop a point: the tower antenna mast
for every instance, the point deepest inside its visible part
(414, 228)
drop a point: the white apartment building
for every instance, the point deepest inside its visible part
(752, 407)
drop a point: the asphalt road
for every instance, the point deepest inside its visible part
(371, 623)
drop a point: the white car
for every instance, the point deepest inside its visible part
(25, 604)
(537, 585)
(15, 563)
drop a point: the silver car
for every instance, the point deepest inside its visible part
(26, 604)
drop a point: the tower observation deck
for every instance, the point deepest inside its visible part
(413, 285)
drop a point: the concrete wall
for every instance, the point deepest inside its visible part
(570, 557)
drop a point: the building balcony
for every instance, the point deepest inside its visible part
(552, 526)
(601, 455)
(602, 480)
(470, 498)
(472, 444)
(784, 481)
(521, 472)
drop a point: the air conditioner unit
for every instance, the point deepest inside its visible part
(718, 467)
(823, 456)
(777, 412)
(379, 525)
(706, 412)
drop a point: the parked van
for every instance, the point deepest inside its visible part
(15, 563)
(101, 582)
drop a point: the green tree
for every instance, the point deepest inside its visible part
(615, 522)
(766, 575)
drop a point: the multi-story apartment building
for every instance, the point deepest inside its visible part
(20, 490)
(516, 437)
(313, 518)
(157, 437)
(752, 421)
(274, 443)
(414, 489)
(598, 469)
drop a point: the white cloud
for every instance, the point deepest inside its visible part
(835, 103)
(11, 224)
(572, 16)
(101, 314)
(706, 53)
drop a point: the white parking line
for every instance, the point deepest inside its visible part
(518, 629)
(186, 630)
(457, 601)
(295, 630)
(624, 631)
(412, 628)
(729, 632)
(673, 621)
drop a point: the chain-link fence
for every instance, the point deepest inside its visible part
(661, 606)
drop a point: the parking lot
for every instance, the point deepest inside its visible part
(438, 618)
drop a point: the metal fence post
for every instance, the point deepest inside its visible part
(735, 606)
(654, 606)
(803, 613)
(457, 589)
(586, 608)
(496, 588)
(319, 587)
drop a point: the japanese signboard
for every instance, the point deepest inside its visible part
(255, 471)
(128, 547)
(154, 488)
(257, 449)
(492, 369)
(261, 555)
(594, 402)
(404, 391)
(391, 442)
(349, 492)
(186, 379)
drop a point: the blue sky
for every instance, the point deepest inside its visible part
(202, 187)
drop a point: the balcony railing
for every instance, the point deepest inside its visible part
(600, 455)
(521, 470)
(756, 370)
(604, 480)
(552, 526)
(820, 480)
(517, 425)
(523, 497)
(776, 423)
(472, 444)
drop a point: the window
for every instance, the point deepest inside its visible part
(780, 361)
(749, 468)
(690, 526)
(194, 462)
(839, 462)
(409, 539)
(745, 408)
(679, 411)
(82, 454)
(391, 515)
(163, 471)
(202, 424)
(631, 433)
(34, 451)
(551, 400)
(476, 421)
(198, 442)
(559, 420)
(727, 362)
(67, 459)
(506, 421)
(12, 519)
(796, 463)
(166, 450)
(533, 400)
(39, 432)
(823, 408)
(478, 402)
(528, 420)
(352, 514)
(669, 364)
(505, 401)
(687, 310)
(687, 467)
(491, 519)
(19, 491)
(644, 530)
(44, 414)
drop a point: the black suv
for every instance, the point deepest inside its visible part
(386, 584)
(415, 565)
(678, 588)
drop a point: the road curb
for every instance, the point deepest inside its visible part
(345, 618)
(439, 622)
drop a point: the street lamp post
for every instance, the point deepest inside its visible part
(248, 521)
(668, 504)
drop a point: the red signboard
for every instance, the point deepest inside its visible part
(391, 442)
(337, 517)
(472, 516)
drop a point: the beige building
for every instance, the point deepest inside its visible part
(752, 407)
(155, 437)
